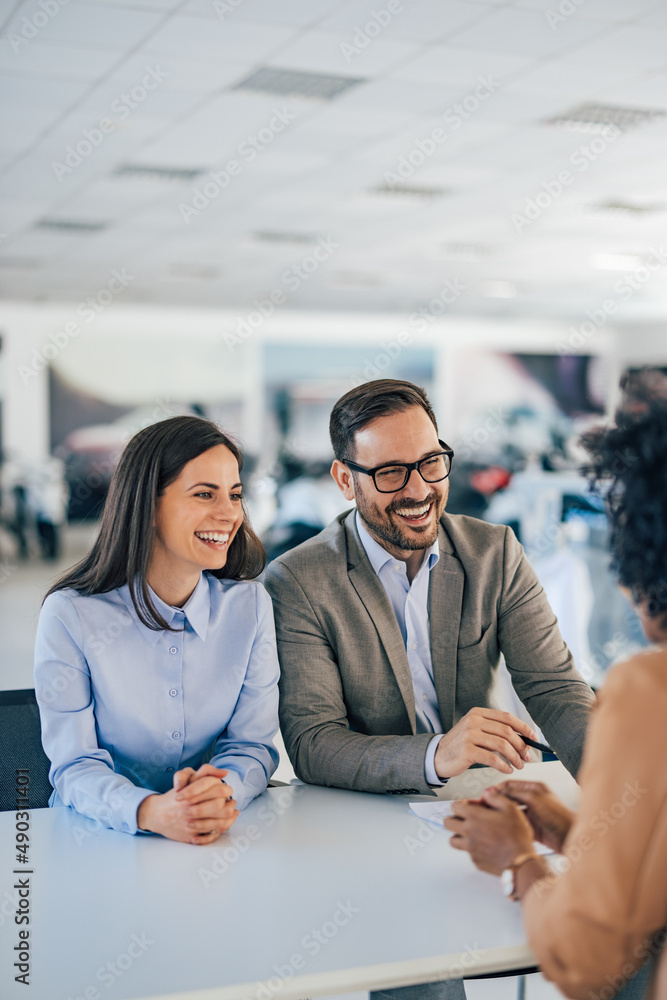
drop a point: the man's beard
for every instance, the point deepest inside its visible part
(380, 524)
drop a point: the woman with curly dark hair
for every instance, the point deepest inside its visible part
(600, 926)
(155, 661)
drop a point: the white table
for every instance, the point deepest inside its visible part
(313, 891)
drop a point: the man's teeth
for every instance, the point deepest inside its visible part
(414, 511)
(212, 536)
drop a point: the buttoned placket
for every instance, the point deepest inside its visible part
(418, 662)
(173, 643)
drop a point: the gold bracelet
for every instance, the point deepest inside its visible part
(508, 876)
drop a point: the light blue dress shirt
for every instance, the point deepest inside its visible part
(410, 602)
(123, 706)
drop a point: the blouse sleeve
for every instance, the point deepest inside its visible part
(592, 927)
(82, 773)
(246, 745)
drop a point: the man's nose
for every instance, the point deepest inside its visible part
(416, 487)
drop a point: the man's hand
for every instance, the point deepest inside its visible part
(479, 738)
(549, 817)
(493, 830)
(195, 811)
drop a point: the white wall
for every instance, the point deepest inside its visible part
(64, 334)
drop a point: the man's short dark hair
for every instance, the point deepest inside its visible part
(365, 403)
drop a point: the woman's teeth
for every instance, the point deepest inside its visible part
(212, 536)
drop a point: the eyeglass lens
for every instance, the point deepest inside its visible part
(394, 477)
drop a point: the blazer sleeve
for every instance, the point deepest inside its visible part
(540, 664)
(313, 716)
(594, 926)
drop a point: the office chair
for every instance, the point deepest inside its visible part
(21, 752)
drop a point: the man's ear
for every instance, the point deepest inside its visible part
(343, 479)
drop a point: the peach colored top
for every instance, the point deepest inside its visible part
(597, 923)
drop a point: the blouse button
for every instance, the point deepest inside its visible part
(169, 770)
(173, 649)
(176, 736)
(173, 692)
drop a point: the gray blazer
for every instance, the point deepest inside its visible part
(347, 707)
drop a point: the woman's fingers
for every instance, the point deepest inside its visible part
(203, 788)
(212, 809)
(182, 778)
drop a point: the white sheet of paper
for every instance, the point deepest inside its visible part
(435, 812)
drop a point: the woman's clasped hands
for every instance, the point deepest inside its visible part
(196, 810)
(505, 821)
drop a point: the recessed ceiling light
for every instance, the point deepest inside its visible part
(465, 253)
(413, 192)
(499, 290)
(627, 208)
(617, 261)
(294, 83)
(354, 279)
(278, 236)
(70, 225)
(594, 117)
(153, 173)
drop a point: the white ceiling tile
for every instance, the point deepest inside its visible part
(217, 40)
(329, 52)
(30, 91)
(112, 27)
(573, 82)
(164, 5)
(65, 62)
(426, 21)
(287, 12)
(527, 32)
(461, 67)
(613, 10)
(630, 46)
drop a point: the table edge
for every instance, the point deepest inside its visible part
(370, 977)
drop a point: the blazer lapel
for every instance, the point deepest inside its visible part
(445, 601)
(372, 594)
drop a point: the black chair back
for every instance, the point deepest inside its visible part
(21, 753)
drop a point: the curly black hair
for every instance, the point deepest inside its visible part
(632, 457)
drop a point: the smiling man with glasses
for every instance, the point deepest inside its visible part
(392, 620)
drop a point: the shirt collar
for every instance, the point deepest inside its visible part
(197, 610)
(379, 557)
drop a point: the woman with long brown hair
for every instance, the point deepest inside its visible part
(155, 660)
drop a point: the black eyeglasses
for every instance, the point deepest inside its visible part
(392, 478)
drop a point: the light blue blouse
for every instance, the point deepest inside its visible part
(122, 706)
